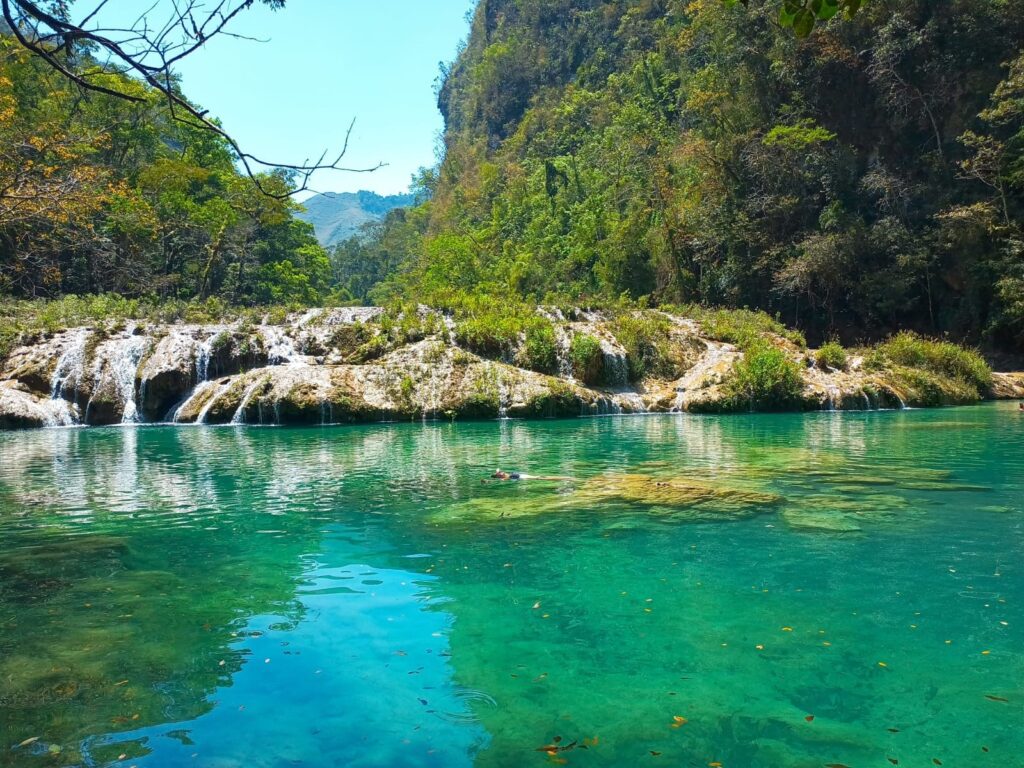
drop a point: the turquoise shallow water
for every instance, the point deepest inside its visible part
(776, 591)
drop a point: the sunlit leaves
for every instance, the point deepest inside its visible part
(802, 15)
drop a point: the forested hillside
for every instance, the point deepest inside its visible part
(99, 194)
(867, 177)
(337, 216)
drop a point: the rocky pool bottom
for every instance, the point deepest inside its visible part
(751, 591)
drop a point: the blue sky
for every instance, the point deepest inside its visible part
(321, 63)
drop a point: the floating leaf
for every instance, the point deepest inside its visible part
(893, 760)
(1000, 699)
(28, 742)
(809, 718)
(655, 754)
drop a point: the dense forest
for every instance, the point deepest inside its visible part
(866, 177)
(100, 194)
(854, 179)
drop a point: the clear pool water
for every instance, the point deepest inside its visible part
(763, 591)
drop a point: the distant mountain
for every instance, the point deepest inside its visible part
(336, 216)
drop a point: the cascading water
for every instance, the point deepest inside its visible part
(280, 347)
(563, 344)
(68, 371)
(504, 397)
(203, 354)
(308, 316)
(250, 390)
(116, 368)
(616, 368)
(221, 389)
(199, 390)
(125, 367)
(833, 398)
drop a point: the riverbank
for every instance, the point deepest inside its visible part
(362, 364)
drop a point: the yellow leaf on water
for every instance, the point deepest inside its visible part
(787, 629)
(759, 647)
(985, 653)
(882, 664)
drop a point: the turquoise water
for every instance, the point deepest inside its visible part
(792, 590)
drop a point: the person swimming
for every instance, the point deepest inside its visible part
(500, 474)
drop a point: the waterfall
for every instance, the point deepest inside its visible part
(504, 397)
(326, 412)
(118, 361)
(68, 371)
(203, 354)
(200, 388)
(679, 403)
(239, 417)
(221, 389)
(308, 316)
(563, 343)
(867, 400)
(125, 371)
(633, 400)
(833, 394)
(616, 368)
(280, 347)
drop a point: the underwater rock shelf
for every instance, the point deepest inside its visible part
(343, 365)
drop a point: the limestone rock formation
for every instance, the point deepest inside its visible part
(346, 365)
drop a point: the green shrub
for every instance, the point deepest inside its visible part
(540, 350)
(765, 379)
(831, 355)
(647, 342)
(941, 357)
(406, 390)
(742, 327)
(586, 358)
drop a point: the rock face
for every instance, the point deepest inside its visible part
(347, 365)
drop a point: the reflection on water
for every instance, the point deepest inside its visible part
(763, 591)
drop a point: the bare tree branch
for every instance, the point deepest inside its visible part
(149, 53)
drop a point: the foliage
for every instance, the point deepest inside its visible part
(102, 195)
(646, 339)
(910, 350)
(742, 327)
(689, 153)
(765, 379)
(540, 351)
(831, 355)
(24, 318)
(802, 15)
(586, 358)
